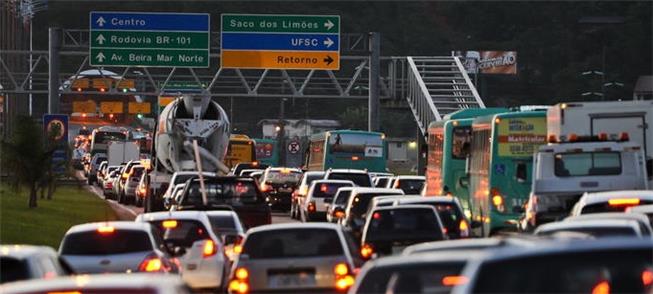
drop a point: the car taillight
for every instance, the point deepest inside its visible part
(311, 206)
(266, 188)
(647, 278)
(451, 281)
(104, 230)
(344, 279)
(464, 229)
(210, 248)
(109, 185)
(151, 264)
(169, 224)
(339, 214)
(497, 199)
(240, 282)
(125, 175)
(602, 287)
(366, 251)
(624, 202)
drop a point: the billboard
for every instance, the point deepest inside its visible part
(489, 62)
(520, 137)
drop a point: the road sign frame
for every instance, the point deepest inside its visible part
(336, 58)
(205, 53)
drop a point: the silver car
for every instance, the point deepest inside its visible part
(199, 250)
(114, 247)
(27, 262)
(297, 257)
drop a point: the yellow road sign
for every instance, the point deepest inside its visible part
(84, 106)
(81, 83)
(135, 107)
(102, 83)
(165, 100)
(111, 107)
(280, 59)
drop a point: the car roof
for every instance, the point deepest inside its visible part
(468, 244)
(594, 223)
(221, 213)
(163, 215)
(285, 226)
(284, 168)
(599, 197)
(167, 283)
(192, 173)
(383, 208)
(609, 215)
(120, 225)
(314, 172)
(435, 257)
(408, 177)
(23, 251)
(426, 199)
(360, 190)
(323, 181)
(350, 171)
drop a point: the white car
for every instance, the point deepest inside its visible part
(102, 283)
(409, 184)
(597, 228)
(181, 178)
(169, 199)
(613, 201)
(227, 225)
(199, 250)
(319, 197)
(28, 262)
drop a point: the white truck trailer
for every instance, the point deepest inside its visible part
(593, 146)
(122, 151)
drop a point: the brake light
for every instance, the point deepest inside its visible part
(624, 136)
(552, 139)
(376, 215)
(238, 249)
(65, 292)
(573, 137)
(240, 283)
(311, 206)
(355, 158)
(497, 199)
(106, 230)
(109, 185)
(209, 248)
(266, 188)
(601, 288)
(169, 224)
(344, 279)
(603, 136)
(647, 278)
(324, 188)
(367, 251)
(451, 281)
(623, 201)
(151, 264)
(464, 228)
(339, 214)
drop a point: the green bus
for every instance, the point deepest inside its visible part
(500, 166)
(449, 142)
(347, 149)
(267, 152)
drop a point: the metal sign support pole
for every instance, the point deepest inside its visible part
(53, 83)
(375, 64)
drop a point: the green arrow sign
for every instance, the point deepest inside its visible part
(149, 39)
(280, 23)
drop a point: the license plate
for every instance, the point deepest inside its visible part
(291, 280)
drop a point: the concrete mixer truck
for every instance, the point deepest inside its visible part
(188, 119)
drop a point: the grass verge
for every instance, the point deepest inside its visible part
(46, 224)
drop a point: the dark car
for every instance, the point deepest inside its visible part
(278, 184)
(388, 230)
(241, 194)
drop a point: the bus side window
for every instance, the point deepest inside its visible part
(520, 172)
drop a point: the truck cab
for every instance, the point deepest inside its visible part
(563, 172)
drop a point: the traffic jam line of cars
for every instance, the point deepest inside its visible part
(359, 233)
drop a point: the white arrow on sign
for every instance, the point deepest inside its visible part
(328, 42)
(328, 24)
(100, 39)
(100, 21)
(100, 57)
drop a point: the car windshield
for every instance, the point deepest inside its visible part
(382, 182)
(99, 243)
(225, 192)
(607, 207)
(411, 186)
(397, 225)
(312, 177)
(279, 177)
(180, 232)
(575, 272)
(222, 223)
(342, 197)
(361, 180)
(323, 190)
(598, 232)
(361, 202)
(293, 243)
(587, 164)
(12, 269)
(421, 278)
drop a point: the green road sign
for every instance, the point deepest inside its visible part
(280, 23)
(149, 39)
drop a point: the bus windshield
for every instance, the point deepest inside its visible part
(369, 145)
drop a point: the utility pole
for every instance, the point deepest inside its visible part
(374, 124)
(53, 84)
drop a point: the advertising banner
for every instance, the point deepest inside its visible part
(489, 62)
(521, 136)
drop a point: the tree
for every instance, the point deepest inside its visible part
(28, 156)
